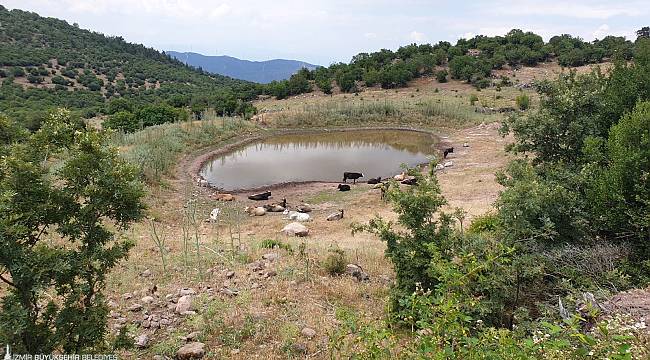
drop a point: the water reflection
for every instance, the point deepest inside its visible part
(318, 157)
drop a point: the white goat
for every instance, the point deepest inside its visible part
(296, 216)
(214, 214)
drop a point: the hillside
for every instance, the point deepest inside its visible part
(256, 71)
(46, 62)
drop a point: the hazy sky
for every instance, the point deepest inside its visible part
(326, 31)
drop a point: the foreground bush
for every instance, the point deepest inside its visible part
(57, 240)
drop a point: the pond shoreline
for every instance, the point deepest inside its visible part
(206, 155)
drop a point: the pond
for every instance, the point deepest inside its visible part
(318, 157)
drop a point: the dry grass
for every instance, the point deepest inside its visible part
(265, 319)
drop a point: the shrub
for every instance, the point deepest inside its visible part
(335, 262)
(275, 244)
(54, 299)
(123, 120)
(473, 99)
(522, 101)
(484, 223)
(441, 76)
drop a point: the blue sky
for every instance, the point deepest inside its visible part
(326, 31)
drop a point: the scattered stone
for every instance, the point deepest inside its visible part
(257, 266)
(112, 304)
(142, 341)
(135, 307)
(146, 324)
(193, 350)
(186, 291)
(146, 273)
(184, 304)
(255, 286)
(229, 292)
(191, 336)
(121, 320)
(308, 332)
(114, 314)
(148, 299)
(295, 229)
(440, 167)
(127, 296)
(270, 256)
(270, 273)
(188, 313)
(385, 279)
(465, 145)
(357, 272)
(300, 348)
(448, 164)
(230, 274)
(170, 297)
(165, 322)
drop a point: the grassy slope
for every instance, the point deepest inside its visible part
(30, 41)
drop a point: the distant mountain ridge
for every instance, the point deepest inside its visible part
(256, 71)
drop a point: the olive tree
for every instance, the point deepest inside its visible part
(63, 193)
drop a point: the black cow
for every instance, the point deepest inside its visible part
(410, 181)
(376, 180)
(344, 187)
(447, 152)
(351, 175)
(261, 196)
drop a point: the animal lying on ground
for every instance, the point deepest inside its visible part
(261, 196)
(214, 214)
(222, 197)
(376, 180)
(351, 175)
(344, 187)
(412, 180)
(255, 211)
(400, 177)
(447, 151)
(304, 208)
(335, 216)
(276, 207)
(202, 182)
(273, 208)
(296, 216)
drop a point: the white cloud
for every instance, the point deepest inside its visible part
(220, 11)
(370, 35)
(418, 37)
(568, 9)
(601, 32)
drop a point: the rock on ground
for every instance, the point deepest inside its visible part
(308, 332)
(193, 350)
(295, 229)
(184, 304)
(357, 272)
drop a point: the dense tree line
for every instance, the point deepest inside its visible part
(470, 60)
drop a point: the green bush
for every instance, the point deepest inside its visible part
(54, 300)
(275, 244)
(124, 121)
(441, 76)
(522, 101)
(335, 262)
(473, 99)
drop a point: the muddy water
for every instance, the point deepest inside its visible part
(318, 157)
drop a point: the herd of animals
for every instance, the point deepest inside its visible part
(301, 212)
